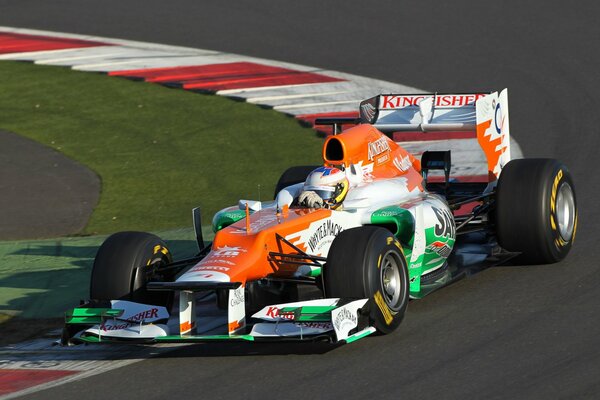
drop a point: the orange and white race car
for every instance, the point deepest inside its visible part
(343, 246)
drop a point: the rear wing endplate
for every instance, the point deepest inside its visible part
(483, 113)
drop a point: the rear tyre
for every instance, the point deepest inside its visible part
(536, 210)
(293, 175)
(125, 262)
(367, 262)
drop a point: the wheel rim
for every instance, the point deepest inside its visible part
(391, 281)
(565, 211)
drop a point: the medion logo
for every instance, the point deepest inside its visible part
(377, 147)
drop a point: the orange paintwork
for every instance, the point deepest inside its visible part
(364, 144)
(241, 250)
(247, 256)
(186, 326)
(234, 326)
(489, 148)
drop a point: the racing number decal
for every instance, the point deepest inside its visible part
(445, 226)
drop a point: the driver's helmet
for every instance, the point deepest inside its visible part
(329, 183)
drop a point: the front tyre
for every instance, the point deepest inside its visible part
(125, 262)
(536, 210)
(368, 262)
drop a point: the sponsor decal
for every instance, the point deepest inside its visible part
(136, 312)
(448, 100)
(344, 318)
(227, 251)
(377, 147)
(327, 229)
(111, 326)
(367, 111)
(497, 111)
(385, 311)
(275, 312)
(440, 248)
(445, 226)
(314, 325)
(416, 265)
(382, 159)
(152, 313)
(237, 298)
(212, 268)
(403, 163)
(263, 221)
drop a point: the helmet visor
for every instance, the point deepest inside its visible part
(324, 192)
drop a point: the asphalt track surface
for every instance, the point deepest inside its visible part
(44, 193)
(508, 332)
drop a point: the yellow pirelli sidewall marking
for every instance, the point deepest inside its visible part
(557, 179)
(390, 240)
(162, 249)
(575, 228)
(399, 246)
(387, 315)
(379, 262)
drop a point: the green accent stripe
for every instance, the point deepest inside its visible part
(309, 313)
(169, 339)
(360, 335)
(91, 315)
(177, 338)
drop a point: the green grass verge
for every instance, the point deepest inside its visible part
(43, 278)
(159, 152)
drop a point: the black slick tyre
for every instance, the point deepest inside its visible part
(536, 210)
(293, 175)
(368, 262)
(125, 262)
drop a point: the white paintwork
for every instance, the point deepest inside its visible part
(206, 274)
(253, 205)
(319, 235)
(187, 311)
(271, 313)
(419, 239)
(127, 330)
(137, 312)
(345, 318)
(494, 109)
(380, 193)
(236, 310)
(290, 329)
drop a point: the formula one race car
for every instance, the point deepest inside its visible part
(342, 261)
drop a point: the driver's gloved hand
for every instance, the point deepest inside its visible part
(310, 199)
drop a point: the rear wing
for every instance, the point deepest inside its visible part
(483, 113)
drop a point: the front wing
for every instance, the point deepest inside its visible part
(334, 320)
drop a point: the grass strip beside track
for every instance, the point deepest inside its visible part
(43, 278)
(159, 152)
